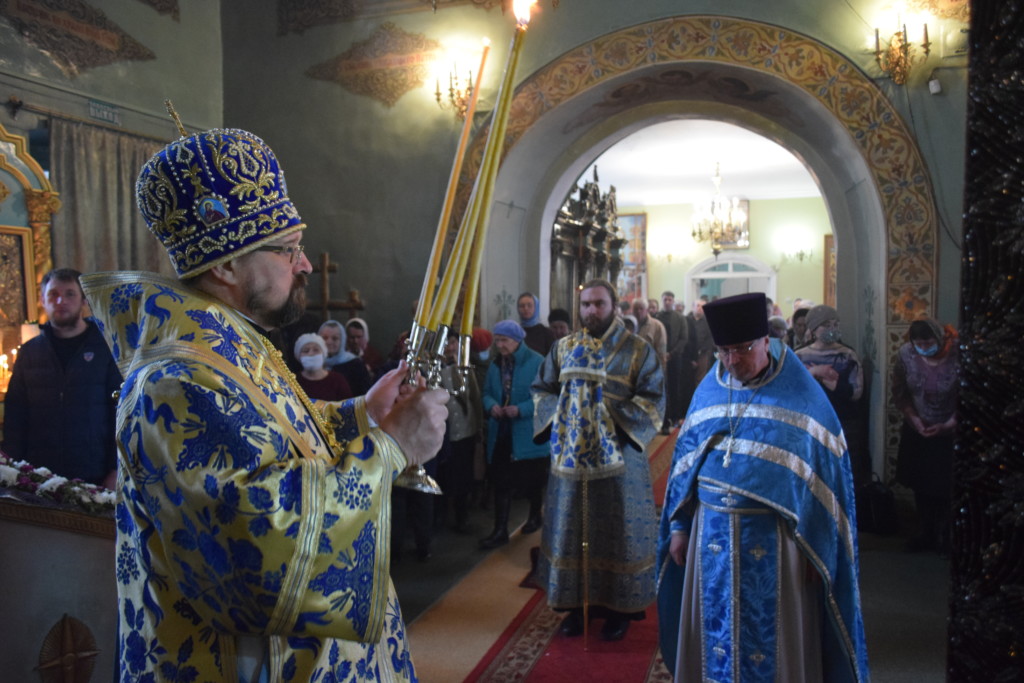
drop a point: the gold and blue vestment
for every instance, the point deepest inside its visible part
(761, 482)
(245, 511)
(603, 401)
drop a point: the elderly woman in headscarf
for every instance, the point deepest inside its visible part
(924, 388)
(316, 380)
(343, 361)
(538, 336)
(359, 344)
(837, 368)
(515, 462)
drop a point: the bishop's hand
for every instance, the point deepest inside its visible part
(416, 421)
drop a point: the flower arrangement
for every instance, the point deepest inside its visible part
(22, 477)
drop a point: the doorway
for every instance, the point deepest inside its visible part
(885, 230)
(727, 276)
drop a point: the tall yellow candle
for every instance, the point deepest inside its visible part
(427, 291)
(485, 202)
(479, 206)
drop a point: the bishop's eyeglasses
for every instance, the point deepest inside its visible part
(292, 251)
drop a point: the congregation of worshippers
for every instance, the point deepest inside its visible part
(334, 360)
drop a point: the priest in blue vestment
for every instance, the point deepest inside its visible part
(757, 554)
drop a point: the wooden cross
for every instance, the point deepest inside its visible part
(352, 304)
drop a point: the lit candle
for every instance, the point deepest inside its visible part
(522, 10)
(427, 291)
(472, 229)
(925, 42)
(878, 45)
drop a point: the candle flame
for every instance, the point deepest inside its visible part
(486, 41)
(521, 8)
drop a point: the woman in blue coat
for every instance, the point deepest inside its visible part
(515, 462)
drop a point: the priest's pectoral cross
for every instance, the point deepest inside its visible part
(352, 304)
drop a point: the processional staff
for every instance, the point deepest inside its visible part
(428, 335)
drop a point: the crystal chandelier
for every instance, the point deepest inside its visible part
(721, 221)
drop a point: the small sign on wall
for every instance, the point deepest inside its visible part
(108, 113)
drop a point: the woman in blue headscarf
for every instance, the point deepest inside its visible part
(514, 461)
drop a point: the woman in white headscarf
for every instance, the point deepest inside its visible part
(316, 380)
(359, 343)
(343, 361)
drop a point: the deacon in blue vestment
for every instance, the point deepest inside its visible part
(600, 395)
(758, 548)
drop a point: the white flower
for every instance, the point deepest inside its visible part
(8, 475)
(51, 484)
(106, 497)
(88, 495)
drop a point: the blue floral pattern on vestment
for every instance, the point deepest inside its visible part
(352, 578)
(214, 534)
(219, 335)
(226, 428)
(584, 437)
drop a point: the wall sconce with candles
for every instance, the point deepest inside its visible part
(897, 58)
(791, 256)
(459, 94)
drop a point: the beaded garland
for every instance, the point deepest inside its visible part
(213, 196)
(987, 586)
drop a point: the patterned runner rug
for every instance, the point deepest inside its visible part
(531, 650)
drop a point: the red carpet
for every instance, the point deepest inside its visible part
(531, 649)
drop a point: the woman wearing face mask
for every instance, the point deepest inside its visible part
(924, 388)
(316, 380)
(838, 370)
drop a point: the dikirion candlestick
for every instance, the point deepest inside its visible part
(427, 290)
(468, 249)
(435, 311)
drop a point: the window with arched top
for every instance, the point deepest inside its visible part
(728, 275)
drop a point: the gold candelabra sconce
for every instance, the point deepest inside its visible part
(458, 94)
(895, 57)
(789, 258)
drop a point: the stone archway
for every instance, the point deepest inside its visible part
(773, 81)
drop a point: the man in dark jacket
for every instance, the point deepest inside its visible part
(59, 409)
(675, 326)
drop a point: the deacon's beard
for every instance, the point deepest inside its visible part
(598, 326)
